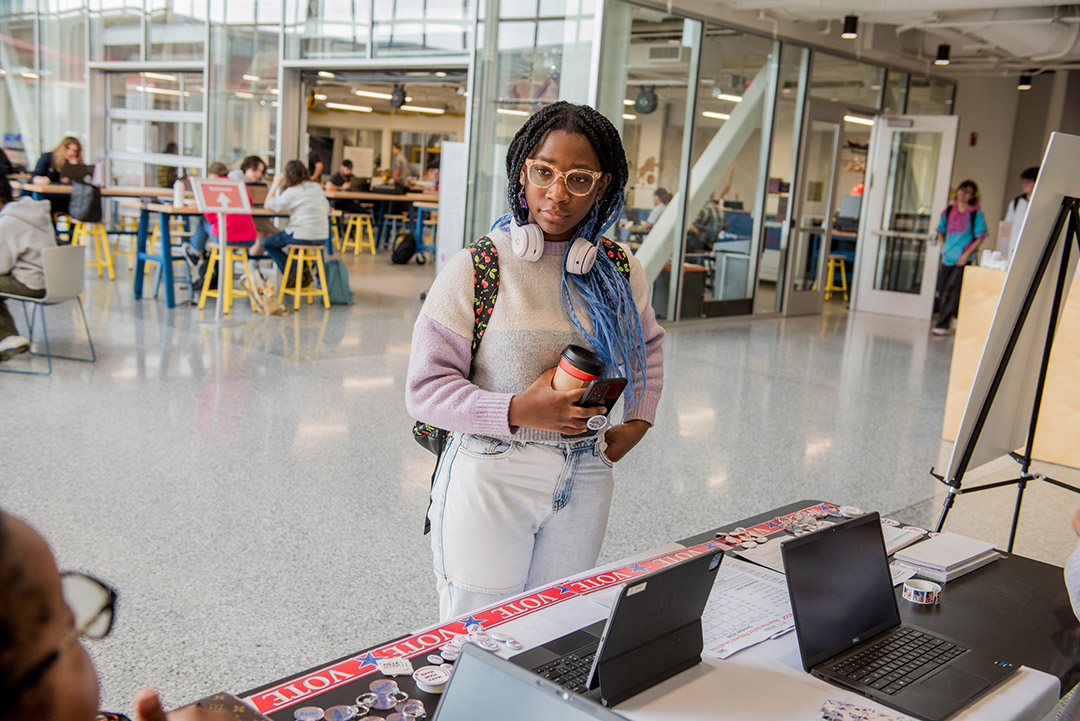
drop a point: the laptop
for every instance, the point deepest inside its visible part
(77, 173)
(484, 687)
(652, 633)
(850, 633)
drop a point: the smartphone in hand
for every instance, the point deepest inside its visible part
(600, 392)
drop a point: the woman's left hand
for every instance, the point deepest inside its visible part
(622, 438)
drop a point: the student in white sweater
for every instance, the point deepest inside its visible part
(309, 211)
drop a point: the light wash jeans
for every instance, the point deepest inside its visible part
(511, 515)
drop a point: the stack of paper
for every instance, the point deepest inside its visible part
(897, 537)
(948, 556)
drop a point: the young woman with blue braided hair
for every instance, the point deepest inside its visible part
(515, 505)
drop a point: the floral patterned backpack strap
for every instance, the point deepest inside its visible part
(485, 286)
(618, 256)
(485, 260)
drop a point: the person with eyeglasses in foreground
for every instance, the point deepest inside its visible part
(45, 672)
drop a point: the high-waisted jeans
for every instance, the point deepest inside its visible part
(511, 515)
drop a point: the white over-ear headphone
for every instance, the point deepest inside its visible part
(527, 241)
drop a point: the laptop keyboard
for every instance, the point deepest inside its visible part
(570, 671)
(897, 660)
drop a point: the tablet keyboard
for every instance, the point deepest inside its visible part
(897, 660)
(570, 671)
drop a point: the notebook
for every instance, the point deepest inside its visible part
(948, 556)
(484, 687)
(850, 633)
(652, 633)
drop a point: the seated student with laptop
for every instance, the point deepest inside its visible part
(345, 180)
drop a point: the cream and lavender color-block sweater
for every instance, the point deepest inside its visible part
(527, 332)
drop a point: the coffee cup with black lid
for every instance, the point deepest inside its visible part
(577, 368)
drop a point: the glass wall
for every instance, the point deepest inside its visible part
(841, 80)
(734, 107)
(929, 96)
(787, 128)
(243, 89)
(528, 54)
(896, 92)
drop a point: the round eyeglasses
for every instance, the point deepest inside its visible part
(93, 604)
(578, 181)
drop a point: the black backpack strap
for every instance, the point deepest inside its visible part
(618, 256)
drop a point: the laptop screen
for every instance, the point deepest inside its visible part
(840, 587)
(485, 687)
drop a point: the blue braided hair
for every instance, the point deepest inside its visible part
(604, 291)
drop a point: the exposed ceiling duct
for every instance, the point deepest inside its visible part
(1001, 37)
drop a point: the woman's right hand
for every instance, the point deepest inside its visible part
(542, 407)
(41, 180)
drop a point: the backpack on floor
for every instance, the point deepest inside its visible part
(337, 283)
(404, 248)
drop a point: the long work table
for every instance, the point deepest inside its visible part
(1021, 602)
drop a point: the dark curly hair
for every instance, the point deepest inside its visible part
(582, 120)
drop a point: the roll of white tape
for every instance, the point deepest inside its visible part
(922, 592)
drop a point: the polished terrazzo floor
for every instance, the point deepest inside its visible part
(256, 497)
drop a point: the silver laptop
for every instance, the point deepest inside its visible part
(485, 687)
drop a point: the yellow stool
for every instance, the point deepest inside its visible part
(836, 264)
(312, 256)
(233, 254)
(102, 254)
(335, 236)
(354, 234)
(129, 225)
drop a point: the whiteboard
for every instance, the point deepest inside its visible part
(363, 161)
(1009, 412)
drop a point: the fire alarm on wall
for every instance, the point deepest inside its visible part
(974, 138)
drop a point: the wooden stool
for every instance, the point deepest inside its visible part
(233, 254)
(102, 253)
(836, 263)
(354, 234)
(301, 256)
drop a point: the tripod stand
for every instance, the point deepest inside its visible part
(1068, 218)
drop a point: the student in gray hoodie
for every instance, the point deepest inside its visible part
(25, 228)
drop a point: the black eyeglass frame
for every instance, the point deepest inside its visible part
(31, 677)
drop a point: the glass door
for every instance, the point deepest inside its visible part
(811, 228)
(909, 167)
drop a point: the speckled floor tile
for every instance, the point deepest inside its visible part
(255, 495)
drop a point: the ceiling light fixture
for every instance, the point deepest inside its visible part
(344, 106)
(851, 27)
(419, 109)
(370, 94)
(508, 111)
(726, 96)
(160, 76)
(858, 119)
(717, 116)
(629, 116)
(252, 78)
(1025, 83)
(244, 95)
(326, 74)
(320, 96)
(942, 55)
(627, 101)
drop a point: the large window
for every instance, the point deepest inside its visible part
(730, 124)
(929, 96)
(525, 59)
(155, 127)
(840, 80)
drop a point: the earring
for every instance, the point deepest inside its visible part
(521, 199)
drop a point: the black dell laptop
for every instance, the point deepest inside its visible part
(652, 633)
(850, 633)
